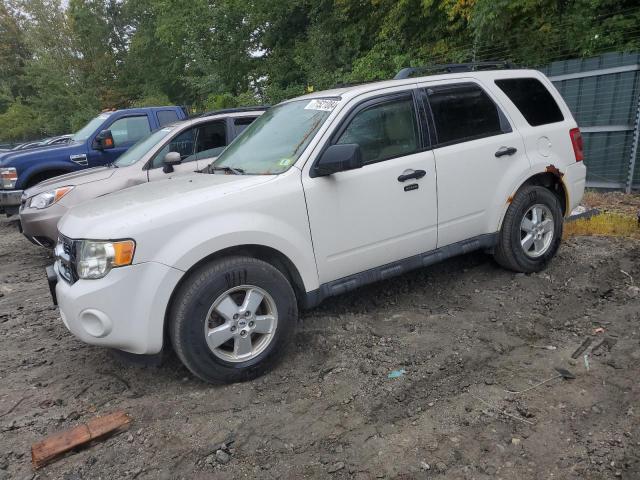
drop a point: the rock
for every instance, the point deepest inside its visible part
(222, 457)
(129, 438)
(425, 466)
(516, 441)
(336, 467)
(596, 409)
(441, 467)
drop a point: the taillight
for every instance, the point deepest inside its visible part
(578, 144)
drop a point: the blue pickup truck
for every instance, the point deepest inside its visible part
(99, 142)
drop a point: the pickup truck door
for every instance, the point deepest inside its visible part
(478, 154)
(126, 131)
(197, 146)
(385, 211)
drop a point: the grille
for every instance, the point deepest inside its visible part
(66, 259)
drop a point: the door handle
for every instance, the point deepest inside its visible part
(409, 174)
(506, 151)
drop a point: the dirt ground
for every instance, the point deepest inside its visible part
(464, 332)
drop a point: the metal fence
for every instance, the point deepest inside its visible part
(603, 94)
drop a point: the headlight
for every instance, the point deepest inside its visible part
(8, 178)
(94, 259)
(46, 199)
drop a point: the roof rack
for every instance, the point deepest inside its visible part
(453, 68)
(233, 110)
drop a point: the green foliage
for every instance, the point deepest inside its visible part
(19, 122)
(62, 62)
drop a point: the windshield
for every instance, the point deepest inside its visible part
(141, 147)
(276, 139)
(84, 133)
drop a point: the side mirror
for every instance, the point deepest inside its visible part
(103, 141)
(338, 158)
(169, 160)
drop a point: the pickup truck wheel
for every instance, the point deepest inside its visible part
(531, 231)
(232, 319)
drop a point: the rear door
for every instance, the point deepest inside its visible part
(368, 217)
(477, 153)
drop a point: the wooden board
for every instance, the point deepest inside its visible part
(62, 442)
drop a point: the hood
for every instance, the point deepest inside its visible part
(72, 179)
(123, 213)
(10, 158)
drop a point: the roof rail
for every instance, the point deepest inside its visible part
(233, 110)
(453, 68)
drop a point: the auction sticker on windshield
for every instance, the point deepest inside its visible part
(322, 104)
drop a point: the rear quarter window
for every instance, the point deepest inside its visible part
(533, 100)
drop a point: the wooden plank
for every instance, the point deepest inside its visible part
(55, 445)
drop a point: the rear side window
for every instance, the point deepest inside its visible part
(385, 130)
(464, 112)
(242, 123)
(166, 117)
(532, 99)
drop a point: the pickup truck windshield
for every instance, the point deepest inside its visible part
(142, 146)
(84, 133)
(273, 143)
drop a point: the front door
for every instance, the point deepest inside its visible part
(384, 211)
(197, 145)
(125, 131)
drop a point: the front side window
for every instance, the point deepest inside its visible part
(143, 146)
(183, 143)
(532, 99)
(86, 131)
(241, 124)
(384, 130)
(129, 129)
(464, 112)
(212, 140)
(273, 143)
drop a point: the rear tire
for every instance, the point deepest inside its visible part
(531, 231)
(232, 319)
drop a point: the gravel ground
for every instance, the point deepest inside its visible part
(464, 332)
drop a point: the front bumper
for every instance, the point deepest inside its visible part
(41, 226)
(124, 310)
(10, 201)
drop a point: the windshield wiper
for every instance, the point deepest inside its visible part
(235, 171)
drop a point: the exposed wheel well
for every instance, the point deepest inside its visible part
(266, 254)
(42, 176)
(553, 183)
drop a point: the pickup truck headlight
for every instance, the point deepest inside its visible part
(46, 199)
(8, 178)
(94, 259)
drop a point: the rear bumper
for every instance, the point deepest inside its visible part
(575, 177)
(10, 201)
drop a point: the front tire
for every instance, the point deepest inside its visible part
(531, 231)
(232, 319)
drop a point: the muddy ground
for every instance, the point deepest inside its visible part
(464, 332)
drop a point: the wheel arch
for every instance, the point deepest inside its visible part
(551, 179)
(267, 254)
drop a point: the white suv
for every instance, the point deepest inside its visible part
(320, 195)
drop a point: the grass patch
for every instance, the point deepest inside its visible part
(606, 224)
